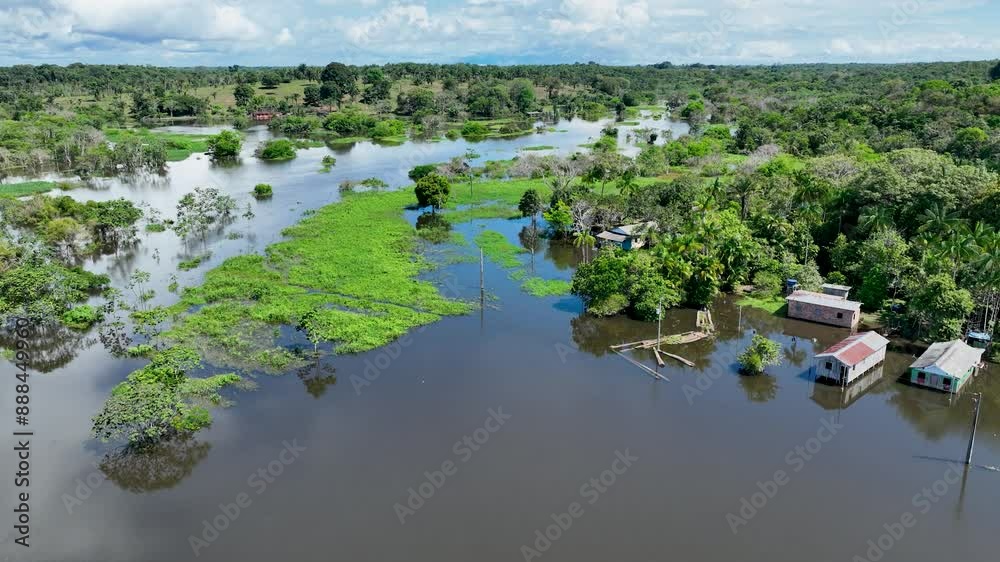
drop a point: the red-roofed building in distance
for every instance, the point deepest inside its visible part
(844, 362)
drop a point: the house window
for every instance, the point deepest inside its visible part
(829, 365)
(921, 378)
(840, 315)
(947, 382)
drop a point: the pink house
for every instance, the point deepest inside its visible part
(824, 308)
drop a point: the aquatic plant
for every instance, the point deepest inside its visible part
(263, 191)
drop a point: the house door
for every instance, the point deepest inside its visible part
(843, 374)
(934, 381)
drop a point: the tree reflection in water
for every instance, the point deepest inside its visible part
(152, 467)
(759, 388)
(52, 345)
(317, 376)
(531, 240)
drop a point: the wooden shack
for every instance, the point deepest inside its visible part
(627, 237)
(946, 366)
(851, 358)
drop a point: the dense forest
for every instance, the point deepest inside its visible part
(882, 177)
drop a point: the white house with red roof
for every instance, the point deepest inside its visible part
(846, 361)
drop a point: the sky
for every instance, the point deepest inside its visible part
(288, 32)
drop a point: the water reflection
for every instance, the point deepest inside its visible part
(53, 346)
(154, 467)
(759, 388)
(317, 376)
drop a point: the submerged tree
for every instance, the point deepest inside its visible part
(432, 191)
(530, 205)
(199, 210)
(760, 354)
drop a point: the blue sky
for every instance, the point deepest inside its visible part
(265, 32)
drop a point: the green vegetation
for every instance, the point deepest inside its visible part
(327, 163)
(263, 191)
(188, 265)
(358, 296)
(25, 188)
(432, 191)
(225, 145)
(759, 355)
(276, 150)
(538, 147)
(539, 287)
(496, 247)
(81, 317)
(202, 209)
(177, 146)
(160, 400)
(774, 305)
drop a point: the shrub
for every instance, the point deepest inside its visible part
(474, 129)
(766, 284)
(81, 317)
(760, 354)
(226, 144)
(422, 170)
(277, 149)
(262, 191)
(432, 191)
(388, 128)
(350, 123)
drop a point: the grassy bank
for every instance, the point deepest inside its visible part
(179, 146)
(773, 305)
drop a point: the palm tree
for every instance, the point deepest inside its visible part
(584, 239)
(937, 219)
(875, 218)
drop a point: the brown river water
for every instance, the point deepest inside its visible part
(509, 434)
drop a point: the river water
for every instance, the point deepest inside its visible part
(339, 456)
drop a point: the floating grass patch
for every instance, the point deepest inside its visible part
(188, 265)
(498, 249)
(538, 147)
(536, 286)
(334, 287)
(81, 317)
(488, 211)
(25, 188)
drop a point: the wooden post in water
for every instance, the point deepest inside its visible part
(659, 317)
(975, 422)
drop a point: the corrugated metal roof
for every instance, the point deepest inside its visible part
(822, 299)
(952, 358)
(856, 348)
(611, 236)
(632, 229)
(982, 336)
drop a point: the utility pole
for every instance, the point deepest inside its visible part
(978, 397)
(659, 317)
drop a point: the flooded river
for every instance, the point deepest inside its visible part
(513, 428)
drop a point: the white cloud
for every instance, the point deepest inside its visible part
(171, 19)
(504, 31)
(284, 37)
(767, 49)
